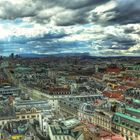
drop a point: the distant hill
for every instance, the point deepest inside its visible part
(81, 55)
(32, 55)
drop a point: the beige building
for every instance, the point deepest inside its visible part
(30, 109)
(68, 107)
(102, 119)
(86, 112)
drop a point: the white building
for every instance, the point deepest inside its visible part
(8, 90)
(43, 121)
(65, 131)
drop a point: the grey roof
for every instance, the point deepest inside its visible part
(58, 130)
(9, 88)
(87, 108)
(76, 102)
(29, 104)
(70, 123)
(66, 127)
(46, 113)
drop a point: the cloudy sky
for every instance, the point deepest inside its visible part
(98, 27)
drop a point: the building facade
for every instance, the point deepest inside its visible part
(127, 125)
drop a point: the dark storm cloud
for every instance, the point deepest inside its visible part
(71, 4)
(56, 47)
(46, 47)
(74, 17)
(136, 51)
(12, 11)
(129, 30)
(72, 11)
(120, 43)
(125, 12)
(64, 17)
(23, 39)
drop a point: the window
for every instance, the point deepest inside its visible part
(131, 126)
(23, 111)
(33, 110)
(127, 138)
(127, 124)
(23, 117)
(116, 119)
(137, 129)
(33, 116)
(131, 133)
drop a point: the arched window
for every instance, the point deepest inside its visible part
(33, 110)
(23, 111)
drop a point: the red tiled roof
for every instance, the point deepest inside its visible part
(117, 137)
(104, 134)
(107, 135)
(129, 79)
(122, 88)
(115, 70)
(113, 94)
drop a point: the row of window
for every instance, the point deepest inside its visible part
(96, 120)
(23, 111)
(128, 125)
(128, 134)
(102, 118)
(62, 138)
(27, 117)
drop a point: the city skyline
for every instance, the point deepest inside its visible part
(97, 27)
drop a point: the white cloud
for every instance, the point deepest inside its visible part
(4, 33)
(105, 7)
